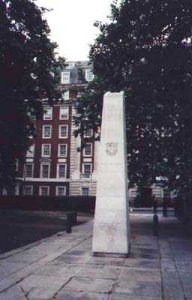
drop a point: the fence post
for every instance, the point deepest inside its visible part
(155, 225)
(164, 207)
(74, 218)
(154, 207)
(69, 223)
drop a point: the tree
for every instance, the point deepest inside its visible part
(26, 65)
(145, 50)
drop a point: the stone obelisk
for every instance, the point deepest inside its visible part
(111, 223)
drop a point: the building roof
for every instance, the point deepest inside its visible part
(80, 72)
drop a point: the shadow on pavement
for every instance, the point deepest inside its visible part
(19, 228)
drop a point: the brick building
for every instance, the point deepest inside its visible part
(53, 166)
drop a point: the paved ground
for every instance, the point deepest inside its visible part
(62, 266)
(19, 228)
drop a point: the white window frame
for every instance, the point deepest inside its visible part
(41, 169)
(31, 151)
(59, 150)
(25, 170)
(84, 150)
(87, 175)
(61, 115)
(65, 95)
(47, 137)
(60, 187)
(85, 188)
(60, 136)
(70, 65)
(58, 165)
(43, 150)
(17, 189)
(89, 75)
(89, 133)
(48, 114)
(65, 77)
(40, 190)
(4, 192)
(17, 164)
(31, 190)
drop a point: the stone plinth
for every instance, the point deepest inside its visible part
(111, 224)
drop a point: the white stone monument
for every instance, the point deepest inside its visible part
(111, 223)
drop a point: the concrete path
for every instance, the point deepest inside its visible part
(62, 266)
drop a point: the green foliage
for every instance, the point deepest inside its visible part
(145, 50)
(89, 109)
(26, 62)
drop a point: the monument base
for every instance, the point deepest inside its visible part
(113, 255)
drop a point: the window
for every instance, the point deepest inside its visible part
(71, 65)
(48, 115)
(85, 191)
(5, 192)
(88, 133)
(47, 130)
(45, 170)
(44, 190)
(63, 131)
(31, 151)
(28, 190)
(65, 77)
(87, 170)
(89, 75)
(16, 165)
(29, 170)
(46, 150)
(62, 150)
(60, 190)
(61, 170)
(17, 189)
(65, 95)
(64, 113)
(87, 151)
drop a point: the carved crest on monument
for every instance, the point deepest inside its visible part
(111, 148)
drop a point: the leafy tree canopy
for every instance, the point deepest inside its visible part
(145, 50)
(27, 63)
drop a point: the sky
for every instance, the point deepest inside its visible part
(71, 23)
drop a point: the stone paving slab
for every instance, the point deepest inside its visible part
(173, 292)
(23, 257)
(41, 287)
(8, 268)
(62, 266)
(100, 272)
(73, 259)
(107, 261)
(58, 270)
(129, 297)
(138, 288)
(140, 274)
(41, 293)
(142, 263)
(81, 296)
(15, 293)
(84, 284)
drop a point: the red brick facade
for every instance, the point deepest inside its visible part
(54, 167)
